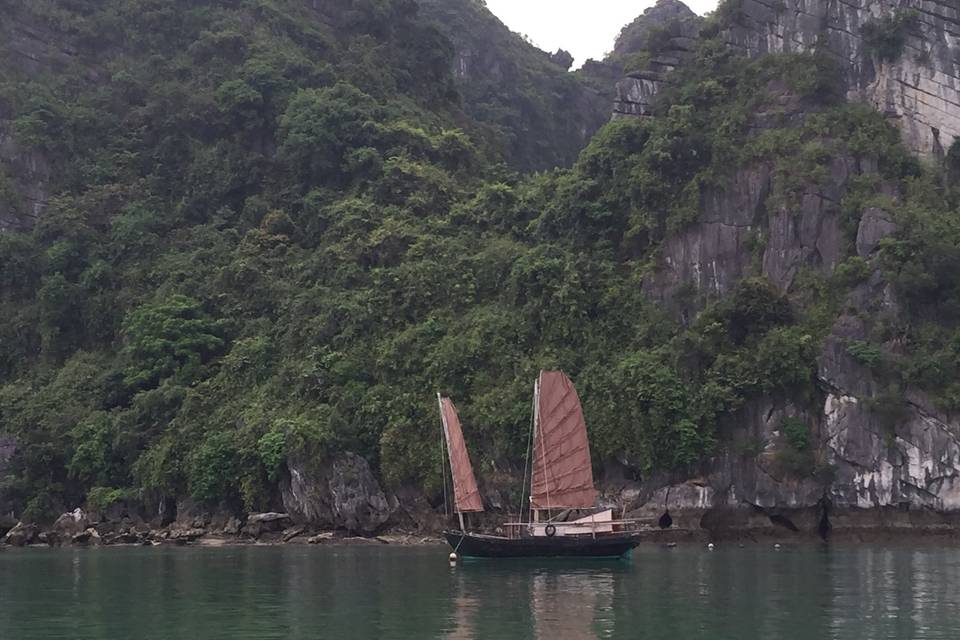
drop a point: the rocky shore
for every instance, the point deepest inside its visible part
(748, 524)
(82, 529)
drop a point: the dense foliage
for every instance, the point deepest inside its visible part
(527, 104)
(275, 235)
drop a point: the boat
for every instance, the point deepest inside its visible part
(560, 484)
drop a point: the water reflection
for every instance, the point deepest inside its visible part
(308, 593)
(533, 599)
(814, 592)
(570, 606)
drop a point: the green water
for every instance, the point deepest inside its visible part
(245, 593)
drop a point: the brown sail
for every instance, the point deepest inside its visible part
(562, 473)
(466, 495)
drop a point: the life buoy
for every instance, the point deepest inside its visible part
(550, 530)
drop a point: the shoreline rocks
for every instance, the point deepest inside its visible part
(742, 524)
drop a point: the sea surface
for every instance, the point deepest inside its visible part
(380, 591)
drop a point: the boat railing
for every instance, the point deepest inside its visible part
(595, 527)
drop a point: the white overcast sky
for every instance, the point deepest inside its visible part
(585, 28)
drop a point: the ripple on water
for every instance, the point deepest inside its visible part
(798, 593)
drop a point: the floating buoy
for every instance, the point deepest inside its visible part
(777, 546)
(453, 557)
(710, 546)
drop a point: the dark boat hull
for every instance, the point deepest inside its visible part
(472, 545)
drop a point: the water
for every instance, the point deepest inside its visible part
(298, 592)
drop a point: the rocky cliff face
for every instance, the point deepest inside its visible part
(8, 447)
(877, 471)
(668, 31)
(25, 173)
(899, 55)
(541, 114)
(344, 494)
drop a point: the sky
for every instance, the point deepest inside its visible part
(585, 28)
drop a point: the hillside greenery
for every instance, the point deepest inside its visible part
(275, 234)
(526, 103)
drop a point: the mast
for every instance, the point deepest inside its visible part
(528, 462)
(466, 495)
(537, 432)
(446, 438)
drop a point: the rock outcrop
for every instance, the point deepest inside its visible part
(342, 494)
(870, 468)
(541, 113)
(8, 447)
(68, 526)
(913, 77)
(668, 32)
(22, 535)
(25, 172)
(898, 55)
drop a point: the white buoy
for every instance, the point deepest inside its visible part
(777, 546)
(453, 556)
(710, 546)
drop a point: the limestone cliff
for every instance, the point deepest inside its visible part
(897, 55)
(647, 50)
(25, 173)
(541, 113)
(881, 471)
(330, 357)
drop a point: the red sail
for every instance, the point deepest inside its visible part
(562, 473)
(466, 495)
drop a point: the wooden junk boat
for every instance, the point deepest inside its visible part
(561, 479)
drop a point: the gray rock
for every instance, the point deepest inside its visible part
(486, 68)
(124, 537)
(70, 524)
(359, 503)
(707, 260)
(264, 518)
(8, 447)
(83, 537)
(259, 524)
(343, 493)
(664, 14)
(185, 535)
(320, 538)
(920, 90)
(875, 225)
(21, 535)
(192, 515)
(877, 473)
(636, 94)
(233, 526)
(293, 532)
(7, 522)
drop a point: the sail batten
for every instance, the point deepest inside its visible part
(562, 475)
(465, 492)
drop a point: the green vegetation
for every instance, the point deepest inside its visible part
(886, 37)
(276, 234)
(527, 105)
(796, 457)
